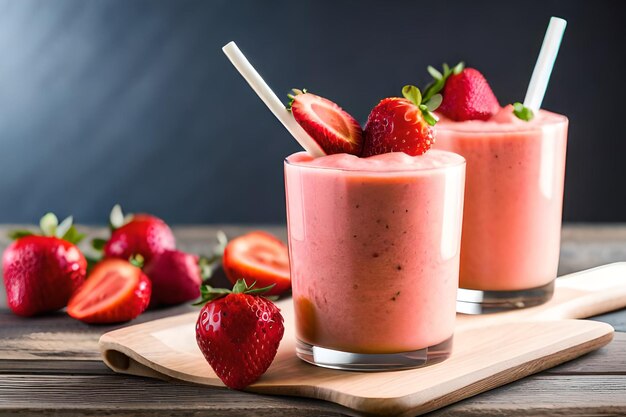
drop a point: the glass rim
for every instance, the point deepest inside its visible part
(521, 130)
(461, 162)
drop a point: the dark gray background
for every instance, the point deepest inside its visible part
(133, 101)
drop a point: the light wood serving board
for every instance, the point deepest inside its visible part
(489, 351)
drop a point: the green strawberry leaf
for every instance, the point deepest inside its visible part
(116, 218)
(98, 243)
(208, 293)
(434, 102)
(250, 290)
(63, 227)
(522, 112)
(413, 94)
(292, 96)
(48, 224)
(72, 235)
(435, 74)
(458, 68)
(137, 260)
(429, 117)
(439, 82)
(16, 234)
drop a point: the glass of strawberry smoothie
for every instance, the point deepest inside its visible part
(513, 205)
(374, 256)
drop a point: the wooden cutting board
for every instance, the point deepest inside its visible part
(489, 351)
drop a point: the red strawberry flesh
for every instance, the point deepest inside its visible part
(397, 125)
(175, 276)
(333, 129)
(239, 336)
(258, 257)
(41, 273)
(115, 291)
(468, 96)
(145, 235)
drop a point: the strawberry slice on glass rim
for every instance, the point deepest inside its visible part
(334, 130)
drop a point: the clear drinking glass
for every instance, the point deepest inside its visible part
(374, 258)
(513, 205)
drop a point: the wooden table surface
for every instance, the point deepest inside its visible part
(51, 365)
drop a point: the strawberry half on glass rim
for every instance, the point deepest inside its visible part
(334, 130)
(258, 257)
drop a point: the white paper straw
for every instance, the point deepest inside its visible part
(270, 99)
(545, 62)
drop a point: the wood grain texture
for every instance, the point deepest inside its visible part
(583, 246)
(130, 396)
(167, 349)
(586, 395)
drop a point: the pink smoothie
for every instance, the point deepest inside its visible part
(374, 249)
(513, 198)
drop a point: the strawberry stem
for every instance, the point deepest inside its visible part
(413, 94)
(137, 260)
(292, 97)
(439, 79)
(208, 293)
(116, 218)
(522, 112)
(49, 225)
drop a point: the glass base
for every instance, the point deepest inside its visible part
(373, 362)
(485, 302)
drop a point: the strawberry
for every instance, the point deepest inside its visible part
(401, 124)
(115, 291)
(258, 257)
(331, 127)
(139, 234)
(466, 93)
(176, 277)
(42, 272)
(238, 333)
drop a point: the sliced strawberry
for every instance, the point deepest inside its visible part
(331, 127)
(401, 125)
(258, 257)
(466, 93)
(115, 291)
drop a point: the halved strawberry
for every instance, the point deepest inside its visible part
(258, 257)
(331, 127)
(115, 291)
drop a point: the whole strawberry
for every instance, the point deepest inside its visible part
(466, 93)
(239, 333)
(138, 234)
(401, 124)
(176, 277)
(42, 271)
